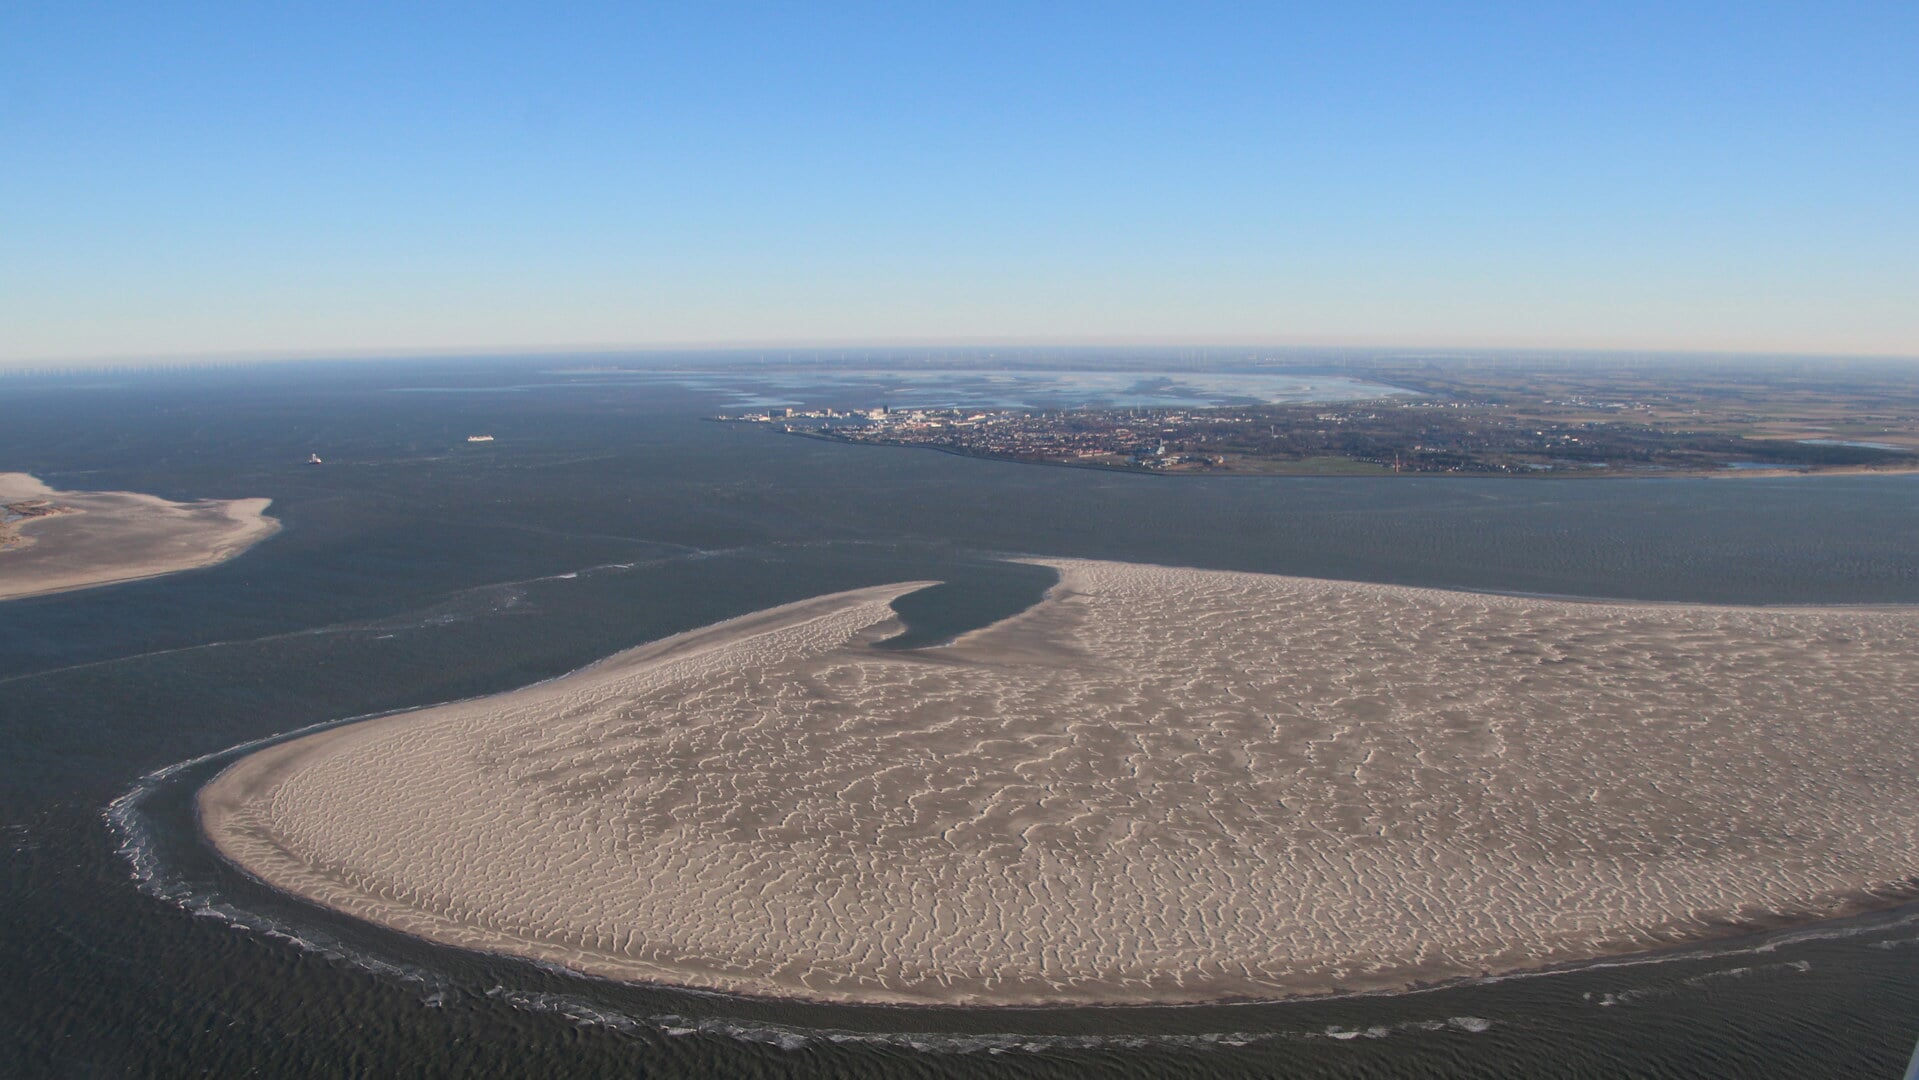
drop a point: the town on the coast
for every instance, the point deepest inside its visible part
(1422, 435)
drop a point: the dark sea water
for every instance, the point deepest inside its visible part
(417, 568)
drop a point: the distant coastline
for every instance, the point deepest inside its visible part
(1439, 420)
(1386, 474)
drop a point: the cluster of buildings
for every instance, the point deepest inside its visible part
(1091, 436)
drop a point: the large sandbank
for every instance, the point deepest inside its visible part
(1158, 785)
(104, 537)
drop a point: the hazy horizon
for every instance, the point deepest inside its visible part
(1194, 354)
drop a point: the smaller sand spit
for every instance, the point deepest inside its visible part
(102, 537)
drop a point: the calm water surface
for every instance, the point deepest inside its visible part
(416, 568)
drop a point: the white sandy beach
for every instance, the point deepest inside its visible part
(1159, 785)
(105, 537)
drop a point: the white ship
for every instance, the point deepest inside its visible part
(313, 459)
(479, 438)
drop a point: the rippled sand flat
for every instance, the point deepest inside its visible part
(103, 537)
(1158, 785)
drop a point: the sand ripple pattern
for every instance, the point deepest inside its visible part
(1158, 785)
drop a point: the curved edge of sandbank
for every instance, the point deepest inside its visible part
(224, 808)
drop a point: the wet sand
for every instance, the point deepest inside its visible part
(1159, 785)
(106, 537)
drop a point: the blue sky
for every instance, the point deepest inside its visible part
(186, 179)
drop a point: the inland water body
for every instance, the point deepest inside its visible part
(416, 567)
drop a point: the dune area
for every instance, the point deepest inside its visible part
(1157, 785)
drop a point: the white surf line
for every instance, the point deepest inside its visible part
(569, 534)
(406, 621)
(410, 620)
(163, 652)
(125, 819)
(791, 1037)
(1770, 942)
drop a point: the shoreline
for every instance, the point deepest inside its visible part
(1758, 936)
(99, 538)
(1567, 474)
(236, 814)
